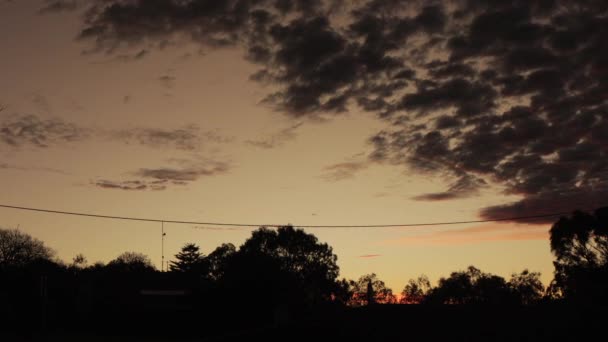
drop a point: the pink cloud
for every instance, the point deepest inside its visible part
(370, 256)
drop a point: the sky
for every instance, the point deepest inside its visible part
(306, 113)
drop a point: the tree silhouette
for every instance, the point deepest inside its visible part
(131, 262)
(282, 267)
(189, 260)
(580, 244)
(416, 290)
(527, 287)
(19, 249)
(368, 289)
(312, 264)
(470, 287)
(217, 260)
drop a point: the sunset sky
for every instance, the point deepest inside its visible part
(305, 113)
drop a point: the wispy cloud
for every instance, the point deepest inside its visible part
(35, 131)
(474, 235)
(5, 166)
(342, 171)
(167, 81)
(346, 169)
(21, 130)
(276, 139)
(185, 138)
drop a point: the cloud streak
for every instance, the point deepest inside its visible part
(277, 139)
(474, 235)
(5, 166)
(34, 131)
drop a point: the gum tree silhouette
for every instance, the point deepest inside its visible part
(218, 259)
(416, 290)
(19, 249)
(526, 287)
(580, 245)
(470, 287)
(368, 289)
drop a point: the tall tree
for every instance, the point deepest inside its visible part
(18, 248)
(580, 245)
(189, 260)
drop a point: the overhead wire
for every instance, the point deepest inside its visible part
(225, 224)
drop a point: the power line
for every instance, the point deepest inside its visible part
(516, 218)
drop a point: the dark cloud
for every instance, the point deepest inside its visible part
(549, 201)
(277, 139)
(125, 185)
(31, 130)
(506, 93)
(182, 175)
(465, 186)
(53, 6)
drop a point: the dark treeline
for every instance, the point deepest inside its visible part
(287, 278)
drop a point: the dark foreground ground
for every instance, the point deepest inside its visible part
(379, 323)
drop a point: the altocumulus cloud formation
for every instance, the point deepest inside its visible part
(507, 93)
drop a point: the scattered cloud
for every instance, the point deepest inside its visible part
(277, 139)
(476, 93)
(18, 131)
(161, 178)
(31, 130)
